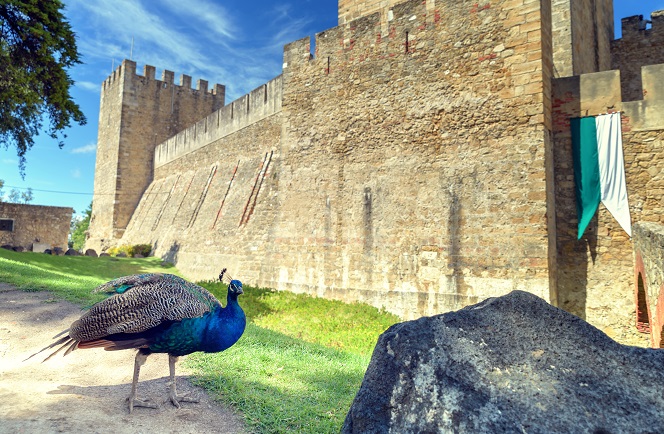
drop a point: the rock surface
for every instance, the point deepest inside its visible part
(509, 364)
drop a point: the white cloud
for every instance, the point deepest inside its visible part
(9, 161)
(86, 149)
(214, 17)
(88, 85)
(76, 173)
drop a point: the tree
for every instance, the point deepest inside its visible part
(16, 196)
(79, 229)
(37, 46)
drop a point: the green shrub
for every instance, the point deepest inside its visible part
(131, 251)
(141, 249)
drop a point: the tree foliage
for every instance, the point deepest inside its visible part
(16, 196)
(79, 229)
(37, 46)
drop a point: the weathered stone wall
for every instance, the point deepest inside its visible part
(595, 274)
(415, 163)
(409, 166)
(214, 207)
(36, 224)
(137, 113)
(414, 160)
(648, 240)
(249, 109)
(635, 49)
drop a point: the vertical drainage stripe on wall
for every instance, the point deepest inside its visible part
(184, 196)
(260, 184)
(151, 203)
(138, 216)
(246, 206)
(201, 199)
(223, 200)
(163, 206)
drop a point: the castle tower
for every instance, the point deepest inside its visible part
(582, 31)
(136, 114)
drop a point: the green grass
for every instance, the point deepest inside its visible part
(71, 277)
(297, 367)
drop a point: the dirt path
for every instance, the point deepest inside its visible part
(85, 392)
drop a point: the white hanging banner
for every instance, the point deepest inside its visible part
(612, 169)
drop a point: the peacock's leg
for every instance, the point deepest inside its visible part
(141, 357)
(175, 398)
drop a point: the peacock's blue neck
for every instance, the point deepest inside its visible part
(225, 326)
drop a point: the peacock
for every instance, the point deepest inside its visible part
(156, 313)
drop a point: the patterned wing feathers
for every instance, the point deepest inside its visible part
(146, 305)
(121, 284)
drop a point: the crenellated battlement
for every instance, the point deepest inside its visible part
(637, 48)
(631, 26)
(128, 69)
(394, 28)
(258, 104)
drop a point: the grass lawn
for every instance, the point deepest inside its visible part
(296, 368)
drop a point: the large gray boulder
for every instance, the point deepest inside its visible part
(513, 364)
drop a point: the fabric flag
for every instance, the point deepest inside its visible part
(599, 169)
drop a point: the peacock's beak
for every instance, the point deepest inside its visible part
(236, 287)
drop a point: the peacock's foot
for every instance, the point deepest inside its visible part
(177, 399)
(138, 402)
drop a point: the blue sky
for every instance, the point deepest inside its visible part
(235, 43)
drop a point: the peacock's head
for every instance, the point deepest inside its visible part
(235, 287)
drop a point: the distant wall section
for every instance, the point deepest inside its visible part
(35, 224)
(635, 49)
(649, 280)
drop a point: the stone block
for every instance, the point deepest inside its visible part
(508, 364)
(40, 247)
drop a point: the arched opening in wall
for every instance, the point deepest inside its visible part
(642, 320)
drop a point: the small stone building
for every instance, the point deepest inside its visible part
(27, 225)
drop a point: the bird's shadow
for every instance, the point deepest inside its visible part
(156, 390)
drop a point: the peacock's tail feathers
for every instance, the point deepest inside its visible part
(64, 342)
(113, 345)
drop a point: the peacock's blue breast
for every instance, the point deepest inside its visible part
(181, 338)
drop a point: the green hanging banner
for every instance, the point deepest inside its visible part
(586, 170)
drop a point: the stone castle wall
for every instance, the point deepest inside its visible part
(35, 224)
(393, 175)
(138, 112)
(418, 184)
